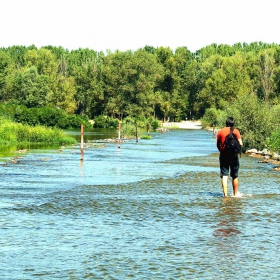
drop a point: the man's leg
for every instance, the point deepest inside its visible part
(235, 186)
(234, 167)
(224, 185)
(224, 171)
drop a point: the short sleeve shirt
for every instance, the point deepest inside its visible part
(221, 137)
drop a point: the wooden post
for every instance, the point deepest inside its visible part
(81, 167)
(119, 137)
(82, 142)
(136, 127)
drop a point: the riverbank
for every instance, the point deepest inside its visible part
(183, 125)
(265, 156)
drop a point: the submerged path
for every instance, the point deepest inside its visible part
(184, 124)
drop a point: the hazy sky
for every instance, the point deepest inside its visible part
(103, 25)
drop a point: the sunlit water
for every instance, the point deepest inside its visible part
(149, 210)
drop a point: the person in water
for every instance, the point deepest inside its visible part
(229, 163)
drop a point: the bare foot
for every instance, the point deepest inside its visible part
(238, 194)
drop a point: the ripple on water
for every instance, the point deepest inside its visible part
(174, 226)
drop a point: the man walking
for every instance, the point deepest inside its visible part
(229, 162)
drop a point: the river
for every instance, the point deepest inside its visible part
(147, 210)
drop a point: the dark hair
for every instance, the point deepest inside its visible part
(230, 122)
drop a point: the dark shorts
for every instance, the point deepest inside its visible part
(229, 164)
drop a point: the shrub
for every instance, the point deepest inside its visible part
(146, 137)
(213, 117)
(128, 130)
(274, 141)
(143, 122)
(154, 123)
(254, 118)
(11, 132)
(46, 116)
(105, 122)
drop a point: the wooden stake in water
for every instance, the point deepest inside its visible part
(136, 127)
(148, 129)
(119, 137)
(82, 142)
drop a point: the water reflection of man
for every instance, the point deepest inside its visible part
(227, 251)
(228, 216)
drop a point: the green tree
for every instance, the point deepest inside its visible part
(6, 68)
(44, 60)
(129, 80)
(34, 88)
(83, 67)
(266, 68)
(62, 94)
(228, 79)
(255, 118)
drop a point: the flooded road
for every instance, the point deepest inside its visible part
(151, 210)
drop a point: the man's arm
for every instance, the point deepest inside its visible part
(239, 137)
(218, 142)
(240, 142)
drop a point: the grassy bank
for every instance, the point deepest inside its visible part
(11, 132)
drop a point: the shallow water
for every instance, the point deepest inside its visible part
(149, 210)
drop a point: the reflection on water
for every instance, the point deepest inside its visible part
(228, 216)
(93, 133)
(152, 210)
(90, 134)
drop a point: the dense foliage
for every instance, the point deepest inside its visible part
(255, 118)
(148, 82)
(130, 127)
(158, 82)
(47, 116)
(11, 132)
(138, 127)
(105, 122)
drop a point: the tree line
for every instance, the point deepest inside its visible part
(148, 82)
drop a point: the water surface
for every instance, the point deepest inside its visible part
(149, 210)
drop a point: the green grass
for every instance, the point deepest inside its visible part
(11, 132)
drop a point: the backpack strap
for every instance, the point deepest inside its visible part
(231, 132)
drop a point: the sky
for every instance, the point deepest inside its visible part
(103, 25)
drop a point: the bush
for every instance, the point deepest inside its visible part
(254, 118)
(46, 116)
(146, 137)
(11, 132)
(105, 122)
(154, 123)
(128, 130)
(274, 141)
(213, 117)
(143, 122)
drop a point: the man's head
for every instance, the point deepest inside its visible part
(230, 122)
